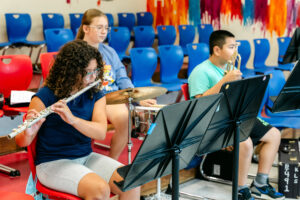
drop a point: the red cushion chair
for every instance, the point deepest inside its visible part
(15, 74)
(185, 91)
(47, 60)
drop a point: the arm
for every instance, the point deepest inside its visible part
(230, 76)
(25, 138)
(95, 129)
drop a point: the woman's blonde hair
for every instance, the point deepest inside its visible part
(87, 19)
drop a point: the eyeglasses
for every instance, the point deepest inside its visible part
(101, 28)
(88, 75)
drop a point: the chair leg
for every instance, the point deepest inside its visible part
(179, 96)
(38, 55)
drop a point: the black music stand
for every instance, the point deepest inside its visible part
(174, 136)
(292, 53)
(289, 96)
(234, 119)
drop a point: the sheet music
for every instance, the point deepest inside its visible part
(20, 96)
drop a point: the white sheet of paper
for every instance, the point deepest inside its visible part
(20, 96)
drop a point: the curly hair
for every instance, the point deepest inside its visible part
(69, 66)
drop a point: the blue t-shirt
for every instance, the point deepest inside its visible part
(115, 75)
(56, 138)
(203, 77)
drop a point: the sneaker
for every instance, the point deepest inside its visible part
(245, 194)
(265, 192)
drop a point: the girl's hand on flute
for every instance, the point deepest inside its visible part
(64, 112)
(35, 127)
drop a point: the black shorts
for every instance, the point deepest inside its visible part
(259, 129)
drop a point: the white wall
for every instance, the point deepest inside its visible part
(36, 7)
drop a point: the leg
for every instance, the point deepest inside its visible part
(133, 194)
(118, 116)
(93, 187)
(106, 168)
(71, 176)
(246, 150)
(271, 142)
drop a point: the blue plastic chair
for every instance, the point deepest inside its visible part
(143, 65)
(75, 22)
(283, 43)
(261, 53)
(18, 26)
(110, 19)
(245, 50)
(171, 60)
(144, 36)
(119, 39)
(277, 121)
(56, 38)
(197, 53)
(126, 20)
(204, 31)
(52, 20)
(166, 35)
(276, 83)
(144, 18)
(186, 36)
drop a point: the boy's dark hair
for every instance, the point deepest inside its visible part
(218, 38)
(69, 66)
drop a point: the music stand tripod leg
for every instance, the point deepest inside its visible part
(129, 144)
(235, 173)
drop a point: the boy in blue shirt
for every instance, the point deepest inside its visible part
(207, 79)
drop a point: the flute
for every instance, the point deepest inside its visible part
(47, 111)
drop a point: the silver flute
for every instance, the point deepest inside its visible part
(47, 111)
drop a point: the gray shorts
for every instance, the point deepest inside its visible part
(64, 174)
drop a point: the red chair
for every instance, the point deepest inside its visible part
(185, 91)
(5, 195)
(15, 74)
(47, 60)
(1, 113)
(51, 194)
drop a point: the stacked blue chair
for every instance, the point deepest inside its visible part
(204, 31)
(197, 53)
(143, 65)
(276, 83)
(119, 39)
(143, 36)
(244, 50)
(171, 60)
(277, 120)
(110, 19)
(126, 20)
(52, 20)
(166, 35)
(186, 36)
(55, 38)
(75, 22)
(144, 18)
(261, 53)
(18, 26)
(283, 43)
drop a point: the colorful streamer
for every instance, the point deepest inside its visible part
(290, 18)
(248, 12)
(232, 9)
(194, 12)
(277, 15)
(210, 12)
